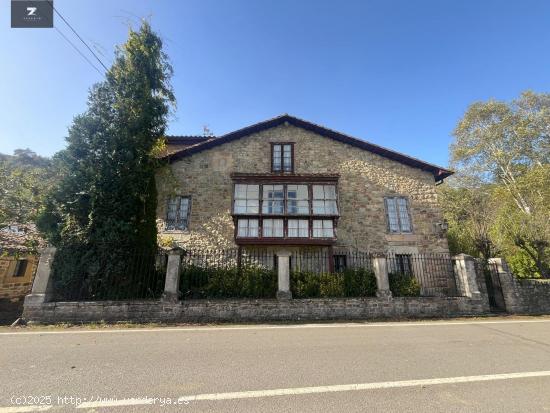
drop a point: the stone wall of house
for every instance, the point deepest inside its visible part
(254, 310)
(365, 179)
(16, 287)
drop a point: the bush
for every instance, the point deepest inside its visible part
(402, 285)
(522, 265)
(349, 283)
(359, 283)
(248, 282)
(106, 272)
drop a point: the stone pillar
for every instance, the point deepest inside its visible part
(172, 282)
(380, 266)
(283, 276)
(465, 275)
(42, 287)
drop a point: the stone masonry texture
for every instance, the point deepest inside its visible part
(365, 179)
(253, 310)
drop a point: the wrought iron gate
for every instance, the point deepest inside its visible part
(494, 289)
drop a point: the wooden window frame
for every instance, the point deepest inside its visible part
(285, 239)
(282, 170)
(387, 213)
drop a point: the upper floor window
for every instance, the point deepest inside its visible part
(247, 228)
(273, 199)
(282, 157)
(298, 228)
(285, 199)
(323, 228)
(398, 215)
(247, 199)
(324, 200)
(272, 228)
(285, 210)
(177, 217)
(297, 198)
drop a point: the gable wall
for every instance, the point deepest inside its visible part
(365, 178)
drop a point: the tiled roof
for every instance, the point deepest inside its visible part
(16, 237)
(177, 143)
(184, 149)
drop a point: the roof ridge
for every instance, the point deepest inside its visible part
(439, 172)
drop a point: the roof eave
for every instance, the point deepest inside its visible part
(439, 172)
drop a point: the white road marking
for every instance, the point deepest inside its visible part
(325, 389)
(274, 327)
(22, 409)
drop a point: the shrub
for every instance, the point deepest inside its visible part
(248, 282)
(402, 285)
(522, 265)
(304, 284)
(349, 283)
(359, 283)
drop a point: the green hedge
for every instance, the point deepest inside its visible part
(349, 283)
(402, 285)
(248, 282)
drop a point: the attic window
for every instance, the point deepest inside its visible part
(282, 157)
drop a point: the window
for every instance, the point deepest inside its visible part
(273, 199)
(322, 228)
(282, 155)
(20, 268)
(177, 217)
(297, 198)
(324, 200)
(247, 228)
(397, 210)
(247, 199)
(285, 210)
(401, 264)
(340, 263)
(298, 228)
(272, 228)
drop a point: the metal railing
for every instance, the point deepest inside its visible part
(228, 273)
(121, 274)
(421, 274)
(322, 261)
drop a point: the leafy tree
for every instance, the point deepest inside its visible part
(25, 179)
(506, 146)
(470, 214)
(104, 209)
(529, 232)
(497, 142)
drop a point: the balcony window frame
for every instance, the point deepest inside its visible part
(308, 182)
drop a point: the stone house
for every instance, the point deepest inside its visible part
(286, 183)
(18, 261)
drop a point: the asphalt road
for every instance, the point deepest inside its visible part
(466, 366)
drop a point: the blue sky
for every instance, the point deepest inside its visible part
(396, 73)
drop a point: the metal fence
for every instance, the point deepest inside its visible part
(228, 273)
(322, 261)
(422, 274)
(118, 274)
